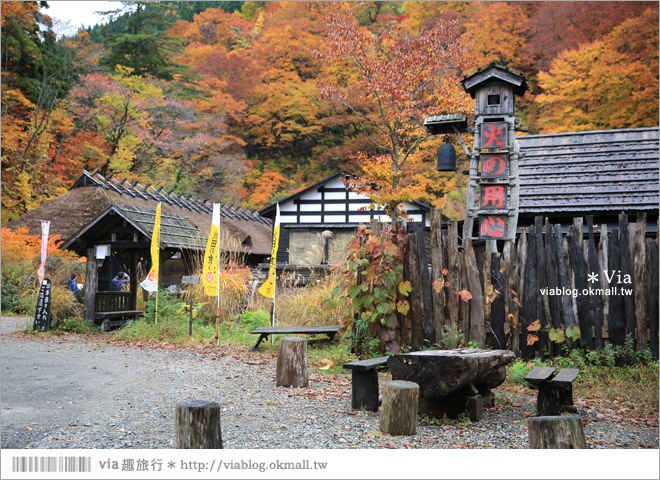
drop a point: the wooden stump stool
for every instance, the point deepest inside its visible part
(198, 425)
(556, 432)
(399, 410)
(292, 362)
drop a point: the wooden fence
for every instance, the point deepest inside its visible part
(603, 280)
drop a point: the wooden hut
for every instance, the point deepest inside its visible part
(110, 221)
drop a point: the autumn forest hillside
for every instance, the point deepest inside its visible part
(248, 102)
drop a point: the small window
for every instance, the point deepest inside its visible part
(494, 99)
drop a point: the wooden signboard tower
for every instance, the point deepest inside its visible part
(495, 155)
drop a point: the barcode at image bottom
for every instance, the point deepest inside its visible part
(51, 464)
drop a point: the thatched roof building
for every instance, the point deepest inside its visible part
(92, 196)
(111, 222)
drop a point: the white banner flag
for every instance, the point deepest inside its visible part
(45, 228)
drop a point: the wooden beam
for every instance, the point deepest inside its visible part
(91, 284)
(626, 269)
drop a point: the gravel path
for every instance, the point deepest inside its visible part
(81, 392)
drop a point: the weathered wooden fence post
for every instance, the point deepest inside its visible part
(553, 280)
(438, 297)
(596, 300)
(477, 331)
(580, 270)
(626, 269)
(453, 260)
(652, 247)
(563, 276)
(497, 310)
(427, 302)
(641, 281)
(615, 315)
(198, 424)
(528, 279)
(412, 273)
(542, 298)
(292, 362)
(556, 432)
(511, 307)
(91, 279)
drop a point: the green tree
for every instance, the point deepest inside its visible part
(37, 74)
(144, 44)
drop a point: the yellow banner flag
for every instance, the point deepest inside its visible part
(268, 288)
(210, 269)
(150, 284)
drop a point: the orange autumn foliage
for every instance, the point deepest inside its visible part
(397, 81)
(265, 188)
(19, 245)
(611, 83)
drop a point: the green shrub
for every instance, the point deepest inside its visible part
(171, 323)
(75, 325)
(517, 371)
(452, 338)
(610, 355)
(258, 318)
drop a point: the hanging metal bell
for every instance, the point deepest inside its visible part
(446, 158)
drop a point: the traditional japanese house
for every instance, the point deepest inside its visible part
(110, 221)
(600, 173)
(318, 222)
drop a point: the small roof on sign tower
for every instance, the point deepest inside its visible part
(499, 72)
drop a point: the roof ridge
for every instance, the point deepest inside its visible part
(593, 132)
(151, 193)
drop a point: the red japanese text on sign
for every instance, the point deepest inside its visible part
(493, 134)
(492, 227)
(494, 165)
(493, 195)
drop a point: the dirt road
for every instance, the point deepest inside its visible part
(68, 391)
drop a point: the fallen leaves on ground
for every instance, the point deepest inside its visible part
(327, 364)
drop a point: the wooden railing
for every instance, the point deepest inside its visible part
(112, 301)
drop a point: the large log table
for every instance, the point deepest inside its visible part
(453, 382)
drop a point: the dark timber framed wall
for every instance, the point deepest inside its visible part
(328, 209)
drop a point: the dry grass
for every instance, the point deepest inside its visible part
(633, 388)
(302, 305)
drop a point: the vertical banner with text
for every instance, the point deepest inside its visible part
(212, 256)
(45, 228)
(268, 287)
(150, 284)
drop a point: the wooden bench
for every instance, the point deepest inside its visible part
(364, 377)
(116, 319)
(555, 391)
(263, 332)
(113, 309)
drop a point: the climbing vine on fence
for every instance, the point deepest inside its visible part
(556, 335)
(372, 282)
